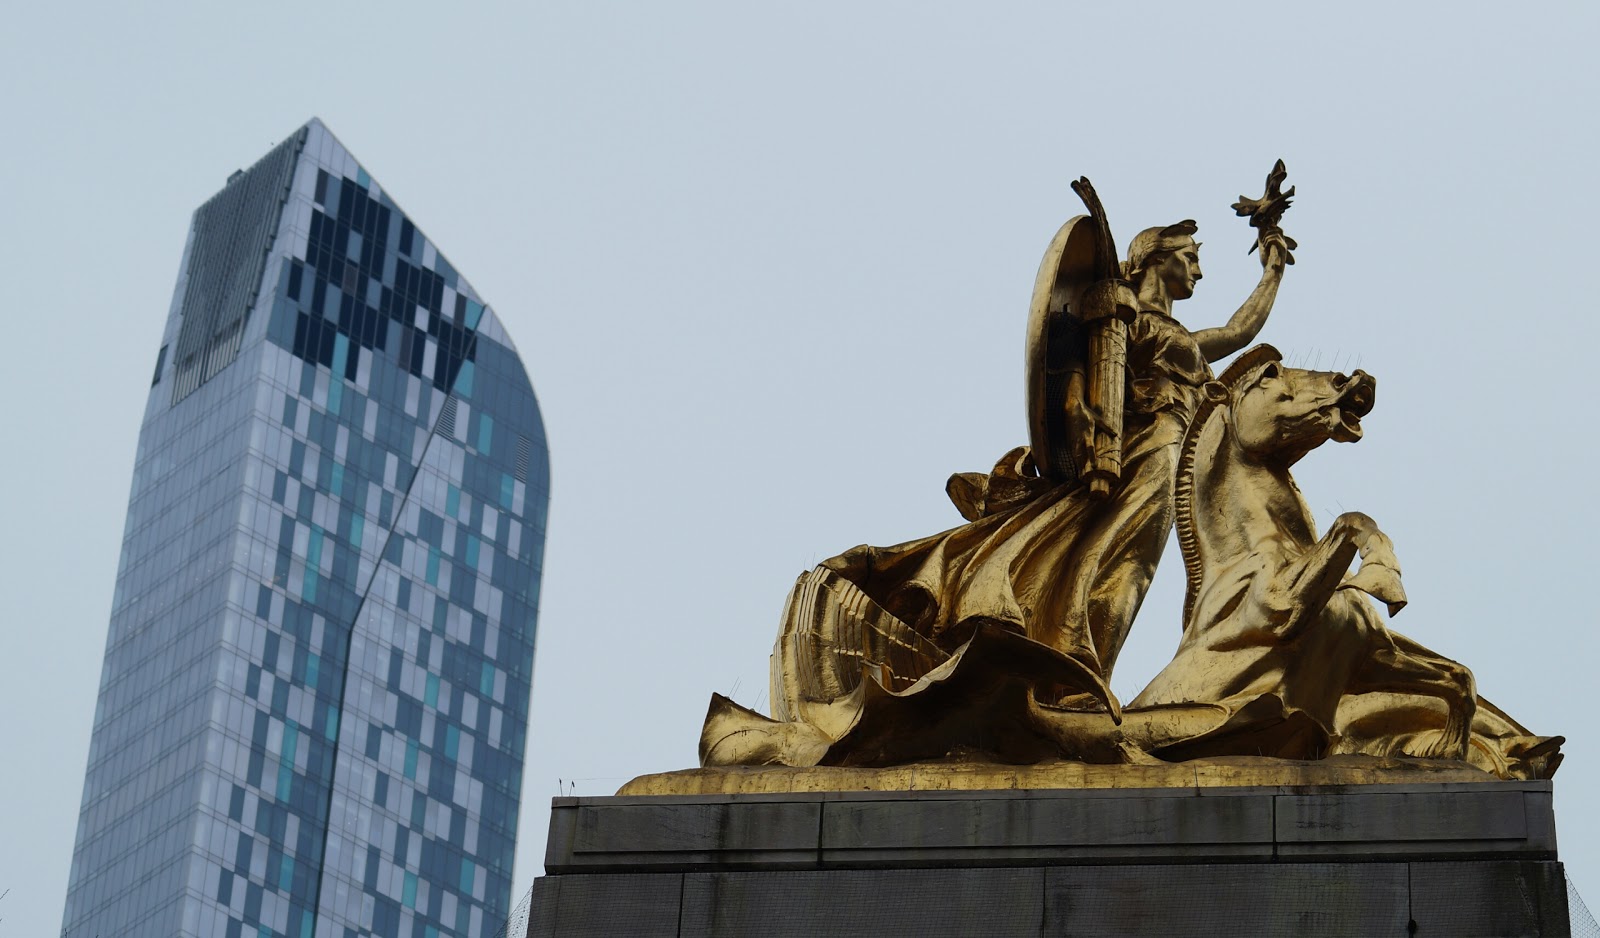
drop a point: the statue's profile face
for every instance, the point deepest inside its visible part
(1181, 270)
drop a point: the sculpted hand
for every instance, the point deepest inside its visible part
(1276, 248)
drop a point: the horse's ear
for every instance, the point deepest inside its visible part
(1215, 391)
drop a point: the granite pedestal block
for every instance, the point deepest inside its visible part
(1453, 860)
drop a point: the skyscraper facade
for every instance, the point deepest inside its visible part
(314, 701)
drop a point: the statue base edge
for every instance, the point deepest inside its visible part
(1222, 772)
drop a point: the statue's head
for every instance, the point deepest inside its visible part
(1279, 413)
(1169, 254)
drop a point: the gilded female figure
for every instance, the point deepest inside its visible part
(1047, 558)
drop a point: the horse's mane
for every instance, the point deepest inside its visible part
(1183, 490)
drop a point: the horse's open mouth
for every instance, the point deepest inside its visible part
(1356, 397)
(1345, 424)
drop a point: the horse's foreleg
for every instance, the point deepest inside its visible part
(1390, 669)
(1306, 585)
(1379, 575)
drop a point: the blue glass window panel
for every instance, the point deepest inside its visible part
(468, 870)
(409, 891)
(332, 729)
(473, 546)
(286, 873)
(452, 742)
(357, 527)
(411, 759)
(452, 502)
(308, 587)
(486, 681)
(313, 667)
(285, 783)
(508, 490)
(431, 695)
(485, 432)
(433, 566)
(314, 548)
(474, 313)
(464, 380)
(336, 480)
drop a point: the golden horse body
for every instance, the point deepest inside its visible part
(1275, 630)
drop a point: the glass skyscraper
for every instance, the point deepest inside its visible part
(314, 700)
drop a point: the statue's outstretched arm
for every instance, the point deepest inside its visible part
(1241, 330)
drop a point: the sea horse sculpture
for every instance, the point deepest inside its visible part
(1281, 655)
(1273, 625)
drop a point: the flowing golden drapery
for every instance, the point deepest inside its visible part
(1063, 568)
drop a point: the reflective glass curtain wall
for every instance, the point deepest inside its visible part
(314, 700)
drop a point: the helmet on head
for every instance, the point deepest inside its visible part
(1152, 244)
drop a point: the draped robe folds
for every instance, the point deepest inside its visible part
(1063, 568)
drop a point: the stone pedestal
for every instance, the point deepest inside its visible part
(1452, 859)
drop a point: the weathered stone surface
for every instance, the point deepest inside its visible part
(1490, 899)
(1469, 899)
(1458, 860)
(659, 833)
(1472, 821)
(1331, 900)
(603, 906)
(820, 830)
(1113, 827)
(864, 903)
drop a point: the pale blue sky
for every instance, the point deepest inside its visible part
(768, 265)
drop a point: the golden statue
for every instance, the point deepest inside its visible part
(995, 641)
